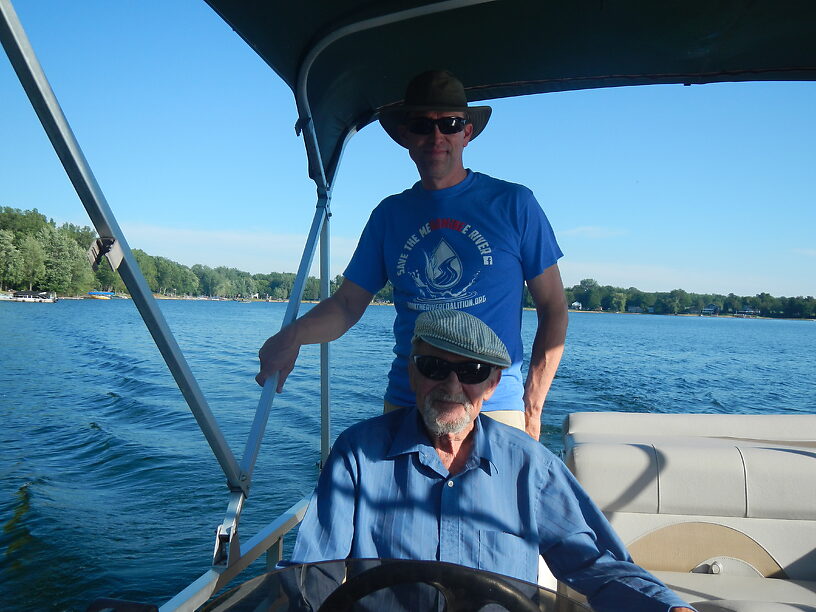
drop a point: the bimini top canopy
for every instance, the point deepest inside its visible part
(346, 59)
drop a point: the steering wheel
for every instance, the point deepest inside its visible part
(464, 590)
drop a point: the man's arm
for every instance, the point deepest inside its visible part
(547, 291)
(327, 321)
(327, 530)
(583, 551)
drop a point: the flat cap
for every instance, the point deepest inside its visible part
(462, 334)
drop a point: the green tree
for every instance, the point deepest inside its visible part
(33, 264)
(207, 279)
(244, 286)
(682, 300)
(592, 299)
(84, 236)
(107, 279)
(58, 267)
(588, 292)
(619, 301)
(10, 260)
(22, 222)
(732, 304)
(386, 294)
(66, 268)
(312, 289)
(666, 304)
(148, 268)
(634, 297)
(223, 287)
(698, 302)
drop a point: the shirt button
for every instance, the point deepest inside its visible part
(450, 483)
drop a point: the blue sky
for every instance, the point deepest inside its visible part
(190, 135)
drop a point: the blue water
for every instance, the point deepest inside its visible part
(108, 488)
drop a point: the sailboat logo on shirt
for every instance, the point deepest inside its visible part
(442, 272)
(443, 268)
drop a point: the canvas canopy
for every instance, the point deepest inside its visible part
(346, 59)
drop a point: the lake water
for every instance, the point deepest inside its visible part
(108, 488)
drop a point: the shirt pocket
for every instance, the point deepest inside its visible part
(504, 553)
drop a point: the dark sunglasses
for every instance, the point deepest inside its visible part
(446, 125)
(468, 372)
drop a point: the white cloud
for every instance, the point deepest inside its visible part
(251, 251)
(805, 252)
(593, 232)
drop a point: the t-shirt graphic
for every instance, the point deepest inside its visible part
(441, 280)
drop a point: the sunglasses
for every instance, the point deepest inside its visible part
(468, 372)
(446, 125)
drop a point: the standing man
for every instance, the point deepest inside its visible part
(456, 240)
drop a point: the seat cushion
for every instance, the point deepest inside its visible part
(725, 605)
(712, 588)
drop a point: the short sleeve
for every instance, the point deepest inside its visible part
(539, 248)
(367, 265)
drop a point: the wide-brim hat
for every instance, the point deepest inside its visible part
(460, 333)
(434, 90)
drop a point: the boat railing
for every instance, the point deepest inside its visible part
(230, 557)
(268, 540)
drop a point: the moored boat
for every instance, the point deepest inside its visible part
(45, 297)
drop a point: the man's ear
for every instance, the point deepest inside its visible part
(494, 379)
(468, 134)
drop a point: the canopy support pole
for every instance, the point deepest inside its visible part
(227, 547)
(325, 399)
(45, 104)
(268, 393)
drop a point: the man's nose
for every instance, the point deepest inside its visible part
(452, 382)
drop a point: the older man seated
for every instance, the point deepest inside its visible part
(440, 482)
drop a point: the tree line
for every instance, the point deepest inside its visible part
(590, 295)
(35, 254)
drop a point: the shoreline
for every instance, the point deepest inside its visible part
(6, 295)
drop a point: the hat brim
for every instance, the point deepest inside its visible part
(391, 119)
(450, 347)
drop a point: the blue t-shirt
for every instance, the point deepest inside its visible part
(468, 247)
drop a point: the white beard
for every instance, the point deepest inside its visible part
(432, 417)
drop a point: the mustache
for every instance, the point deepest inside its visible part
(442, 396)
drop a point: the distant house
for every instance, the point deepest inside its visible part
(712, 310)
(748, 312)
(634, 309)
(577, 306)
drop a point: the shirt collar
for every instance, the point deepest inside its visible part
(412, 438)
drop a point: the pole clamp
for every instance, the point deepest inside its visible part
(105, 247)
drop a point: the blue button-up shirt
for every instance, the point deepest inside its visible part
(384, 493)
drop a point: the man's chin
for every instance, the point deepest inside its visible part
(444, 422)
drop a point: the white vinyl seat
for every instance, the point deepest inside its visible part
(720, 507)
